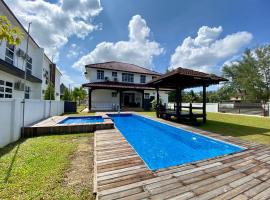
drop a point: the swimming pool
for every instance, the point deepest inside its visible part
(82, 120)
(161, 145)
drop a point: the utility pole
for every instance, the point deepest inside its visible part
(24, 85)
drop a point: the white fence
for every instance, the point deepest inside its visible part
(11, 113)
(210, 107)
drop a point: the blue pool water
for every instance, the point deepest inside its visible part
(161, 145)
(82, 120)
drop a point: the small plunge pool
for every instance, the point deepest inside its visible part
(82, 120)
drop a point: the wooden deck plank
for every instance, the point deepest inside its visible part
(121, 174)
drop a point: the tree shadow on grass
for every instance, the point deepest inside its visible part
(236, 130)
(6, 150)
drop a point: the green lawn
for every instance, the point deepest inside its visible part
(34, 168)
(255, 129)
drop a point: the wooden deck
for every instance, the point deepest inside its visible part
(121, 174)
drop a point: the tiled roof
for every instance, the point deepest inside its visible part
(113, 85)
(186, 78)
(119, 66)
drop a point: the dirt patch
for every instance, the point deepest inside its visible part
(79, 175)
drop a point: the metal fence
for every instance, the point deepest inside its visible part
(245, 108)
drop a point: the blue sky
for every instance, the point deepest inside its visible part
(229, 27)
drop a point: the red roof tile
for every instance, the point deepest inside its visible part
(119, 66)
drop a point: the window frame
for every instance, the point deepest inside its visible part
(127, 78)
(6, 89)
(146, 96)
(27, 92)
(114, 74)
(142, 78)
(10, 49)
(29, 65)
(100, 74)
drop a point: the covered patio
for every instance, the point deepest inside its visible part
(123, 94)
(180, 79)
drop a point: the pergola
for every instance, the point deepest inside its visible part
(180, 79)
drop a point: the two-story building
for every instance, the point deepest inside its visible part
(40, 70)
(115, 84)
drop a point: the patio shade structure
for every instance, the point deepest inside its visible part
(180, 79)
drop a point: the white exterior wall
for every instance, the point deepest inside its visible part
(210, 107)
(39, 61)
(57, 84)
(103, 100)
(91, 75)
(163, 95)
(11, 116)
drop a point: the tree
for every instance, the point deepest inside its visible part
(79, 94)
(248, 76)
(49, 93)
(13, 35)
(67, 96)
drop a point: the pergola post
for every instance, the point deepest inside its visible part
(89, 99)
(143, 99)
(204, 103)
(157, 106)
(178, 103)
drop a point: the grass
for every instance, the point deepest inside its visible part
(79, 112)
(34, 168)
(254, 129)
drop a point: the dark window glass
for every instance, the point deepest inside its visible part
(143, 78)
(114, 94)
(9, 84)
(128, 78)
(9, 53)
(100, 74)
(114, 74)
(2, 82)
(2, 89)
(146, 95)
(8, 90)
(1, 95)
(8, 96)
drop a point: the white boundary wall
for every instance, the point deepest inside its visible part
(11, 112)
(210, 107)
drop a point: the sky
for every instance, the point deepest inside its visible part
(201, 35)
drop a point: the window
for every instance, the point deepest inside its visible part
(6, 89)
(9, 53)
(114, 94)
(143, 78)
(29, 65)
(100, 74)
(114, 74)
(146, 96)
(128, 78)
(27, 92)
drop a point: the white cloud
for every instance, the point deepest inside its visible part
(137, 50)
(53, 24)
(74, 51)
(207, 49)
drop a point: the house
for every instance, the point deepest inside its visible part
(39, 68)
(115, 84)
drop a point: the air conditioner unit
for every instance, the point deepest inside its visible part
(20, 53)
(19, 86)
(115, 79)
(106, 78)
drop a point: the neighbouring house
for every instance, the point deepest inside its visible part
(39, 68)
(115, 84)
(62, 89)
